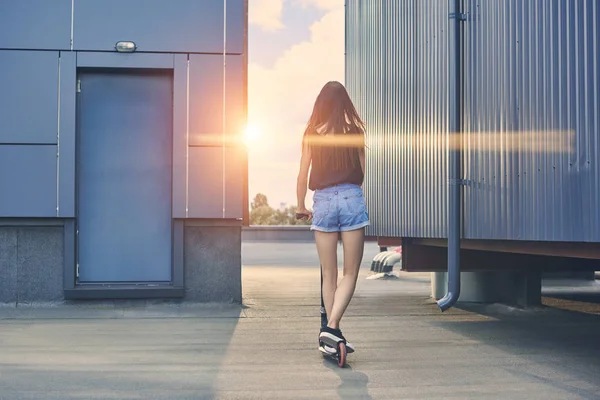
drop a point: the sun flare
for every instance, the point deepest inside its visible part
(251, 134)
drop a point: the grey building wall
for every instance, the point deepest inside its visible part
(37, 103)
(43, 46)
(212, 263)
(31, 264)
(530, 112)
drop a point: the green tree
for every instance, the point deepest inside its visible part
(263, 214)
(260, 211)
(260, 200)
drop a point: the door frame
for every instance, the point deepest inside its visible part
(172, 289)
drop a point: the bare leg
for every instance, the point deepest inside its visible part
(327, 250)
(354, 243)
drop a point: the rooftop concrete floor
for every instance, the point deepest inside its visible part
(266, 349)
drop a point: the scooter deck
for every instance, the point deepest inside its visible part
(332, 356)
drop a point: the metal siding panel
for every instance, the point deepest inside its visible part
(66, 135)
(466, 122)
(28, 181)
(469, 115)
(124, 60)
(205, 182)
(206, 99)
(235, 160)
(29, 97)
(570, 45)
(206, 128)
(577, 111)
(180, 135)
(69, 250)
(427, 131)
(513, 208)
(487, 137)
(154, 25)
(389, 78)
(594, 15)
(235, 120)
(235, 155)
(532, 89)
(236, 22)
(530, 116)
(589, 117)
(35, 24)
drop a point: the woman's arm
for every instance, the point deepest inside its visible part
(302, 182)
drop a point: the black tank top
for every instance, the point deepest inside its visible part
(322, 176)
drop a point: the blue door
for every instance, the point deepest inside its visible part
(124, 176)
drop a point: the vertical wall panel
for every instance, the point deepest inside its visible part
(236, 23)
(217, 158)
(180, 135)
(28, 96)
(395, 71)
(235, 160)
(206, 174)
(235, 157)
(66, 135)
(205, 163)
(205, 182)
(235, 120)
(206, 99)
(530, 142)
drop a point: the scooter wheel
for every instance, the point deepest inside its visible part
(342, 352)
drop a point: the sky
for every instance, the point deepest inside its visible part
(295, 47)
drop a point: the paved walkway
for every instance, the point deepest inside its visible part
(406, 349)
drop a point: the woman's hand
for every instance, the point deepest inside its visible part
(303, 213)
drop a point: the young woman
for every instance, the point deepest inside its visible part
(333, 149)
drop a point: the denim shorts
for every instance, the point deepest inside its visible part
(339, 208)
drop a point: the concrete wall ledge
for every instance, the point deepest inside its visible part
(282, 233)
(276, 233)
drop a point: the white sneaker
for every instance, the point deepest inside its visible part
(331, 351)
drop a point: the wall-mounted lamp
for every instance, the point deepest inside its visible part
(125, 47)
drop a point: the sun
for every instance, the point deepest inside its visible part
(251, 134)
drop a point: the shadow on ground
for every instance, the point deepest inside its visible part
(354, 383)
(121, 351)
(555, 347)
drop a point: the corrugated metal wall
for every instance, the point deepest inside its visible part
(396, 73)
(530, 116)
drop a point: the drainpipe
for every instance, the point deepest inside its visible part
(453, 142)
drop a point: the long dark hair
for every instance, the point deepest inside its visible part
(334, 114)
